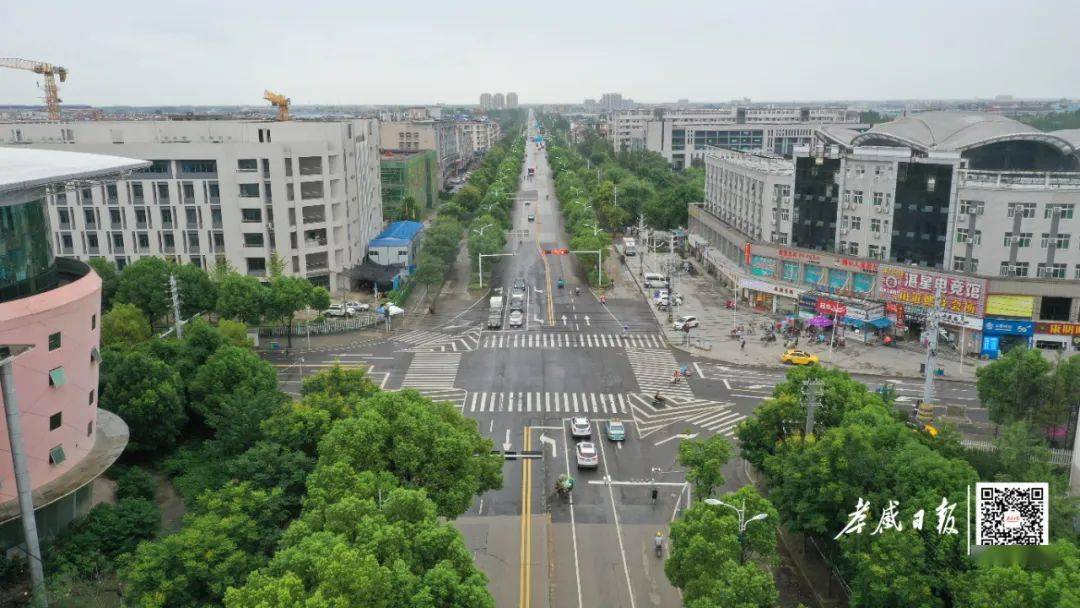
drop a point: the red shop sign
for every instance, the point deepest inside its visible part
(830, 307)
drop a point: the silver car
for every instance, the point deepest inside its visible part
(587, 458)
(516, 318)
(580, 427)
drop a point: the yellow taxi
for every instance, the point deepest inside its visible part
(798, 357)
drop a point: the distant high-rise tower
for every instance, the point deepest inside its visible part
(511, 100)
(500, 101)
(485, 101)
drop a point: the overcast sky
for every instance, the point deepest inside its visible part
(419, 51)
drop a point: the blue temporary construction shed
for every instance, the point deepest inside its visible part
(397, 245)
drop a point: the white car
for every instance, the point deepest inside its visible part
(516, 318)
(358, 306)
(587, 458)
(684, 322)
(394, 311)
(580, 427)
(338, 310)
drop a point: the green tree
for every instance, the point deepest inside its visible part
(136, 483)
(230, 369)
(430, 270)
(234, 333)
(338, 381)
(288, 295)
(425, 445)
(146, 393)
(704, 460)
(241, 297)
(1017, 386)
(736, 586)
(235, 420)
(106, 270)
(89, 546)
(124, 325)
(145, 283)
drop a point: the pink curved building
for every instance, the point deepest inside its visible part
(50, 311)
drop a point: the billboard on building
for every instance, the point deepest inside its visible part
(911, 285)
(1010, 306)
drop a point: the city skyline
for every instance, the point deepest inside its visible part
(178, 61)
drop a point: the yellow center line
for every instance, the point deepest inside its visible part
(525, 577)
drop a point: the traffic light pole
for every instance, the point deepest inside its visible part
(599, 267)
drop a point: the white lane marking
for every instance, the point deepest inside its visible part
(699, 375)
(491, 427)
(679, 436)
(618, 527)
(573, 524)
(727, 384)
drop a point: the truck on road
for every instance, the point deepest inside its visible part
(495, 309)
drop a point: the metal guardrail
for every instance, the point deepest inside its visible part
(327, 327)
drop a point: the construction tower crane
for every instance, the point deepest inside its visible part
(50, 71)
(280, 101)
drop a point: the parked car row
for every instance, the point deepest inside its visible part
(346, 309)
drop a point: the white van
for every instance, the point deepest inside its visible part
(655, 279)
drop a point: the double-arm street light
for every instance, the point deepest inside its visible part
(480, 229)
(743, 522)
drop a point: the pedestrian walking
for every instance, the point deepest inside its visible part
(742, 344)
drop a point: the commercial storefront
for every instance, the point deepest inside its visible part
(911, 293)
(1001, 335)
(1057, 336)
(769, 297)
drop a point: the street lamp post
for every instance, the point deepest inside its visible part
(480, 262)
(743, 522)
(599, 269)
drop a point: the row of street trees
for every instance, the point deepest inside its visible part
(580, 199)
(861, 451)
(477, 203)
(144, 285)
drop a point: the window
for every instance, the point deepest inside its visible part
(959, 263)
(247, 164)
(875, 225)
(54, 341)
(785, 214)
(56, 455)
(1021, 209)
(188, 190)
(89, 428)
(856, 196)
(253, 239)
(1051, 271)
(93, 321)
(198, 166)
(95, 355)
(116, 218)
(1022, 239)
(853, 248)
(136, 193)
(1064, 210)
(91, 400)
(1016, 269)
(875, 252)
(249, 190)
(56, 421)
(879, 198)
(163, 192)
(64, 216)
(251, 215)
(290, 192)
(931, 184)
(856, 222)
(57, 377)
(965, 235)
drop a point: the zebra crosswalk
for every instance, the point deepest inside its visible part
(653, 370)
(714, 416)
(570, 340)
(432, 370)
(547, 402)
(422, 340)
(455, 396)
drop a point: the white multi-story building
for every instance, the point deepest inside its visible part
(482, 134)
(511, 100)
(750, 192)
(242, 190)
(499, 101)
(683, 136)
(485, 101)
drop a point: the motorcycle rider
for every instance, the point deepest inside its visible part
(658, 542)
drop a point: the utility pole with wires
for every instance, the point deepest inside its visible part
(179, 323)
(925, 410)
(812, 391)
(643, 235)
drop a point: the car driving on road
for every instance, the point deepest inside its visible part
(580, 427)
(532, 217)
(516, 318)
(519, 286)
(798, 357)
(616, 430)
(684, 321)
(587, 458)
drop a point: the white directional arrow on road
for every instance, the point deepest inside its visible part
(587, 320)
(506, 444)
(679, 436)
(548, 440)
(757, 386)
(904, 399)
(564, 320)
(537, 319)
(538, 290)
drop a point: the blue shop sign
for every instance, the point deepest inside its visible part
(1008, 327)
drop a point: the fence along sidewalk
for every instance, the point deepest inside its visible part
(328, 326)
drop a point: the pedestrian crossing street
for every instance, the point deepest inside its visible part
(548, 402)
(653, 370)
(423, 340)
(570, 340)
(432, 370)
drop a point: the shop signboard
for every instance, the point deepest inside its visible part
(867, 312)
(795, 254)
(959, 294)
(862, 282)
(1010, 306)
(790, 272)
(762, 286)
(837, 279)
(1008, 327)
(1057, 329)
(762, 266)
(829, 307)
(812, 274)
(955, 319)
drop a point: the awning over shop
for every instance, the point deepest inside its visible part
(882, 323)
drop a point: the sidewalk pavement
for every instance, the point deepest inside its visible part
(704, 298)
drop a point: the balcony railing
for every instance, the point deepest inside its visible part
(1025, 180)
(93, 249)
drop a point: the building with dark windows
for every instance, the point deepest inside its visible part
(978, 205)
(50, 308)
